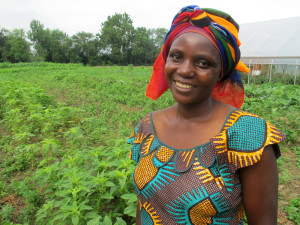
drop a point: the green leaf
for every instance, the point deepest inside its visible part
(61, 217)
(109, 184)
(107, 195)
(45, 148)
(113, 189)
(86, 207)
(54, 148)
(122, 182)
(120, 221)
(75, 219)
(107, 221)
(95, 221)
(130, 211)
(129, 196)
(115, 163)
(92, 214)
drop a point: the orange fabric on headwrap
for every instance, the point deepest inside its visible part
(222, 31)
(229, 26)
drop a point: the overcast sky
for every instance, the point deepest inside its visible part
(72, 16)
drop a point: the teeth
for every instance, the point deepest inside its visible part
(183, 85)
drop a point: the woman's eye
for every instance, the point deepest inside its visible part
(202, 63)
(176, 57)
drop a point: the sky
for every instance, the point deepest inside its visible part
(72, 16)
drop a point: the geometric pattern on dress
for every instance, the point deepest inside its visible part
(134, 153)
(244, 138)
(144, 172)
(148, 179)
(241, 213)
(184, 160)
(147, 119)
(158, 166)
(198, 208)
(148, 215)
(220, 175)
(149, 144)
(162, 156)
(243, 131)
(206, 155)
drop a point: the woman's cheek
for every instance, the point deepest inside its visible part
(169, 68)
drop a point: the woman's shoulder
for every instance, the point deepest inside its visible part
(245, 136)
(248, 127)
(243, 120)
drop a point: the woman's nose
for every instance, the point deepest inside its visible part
(186, 69)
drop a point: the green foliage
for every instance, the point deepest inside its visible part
(118, 43)
(116, 33)
(14, 47)
(50, 45)
(5, 213)
(3, 189)
(85, 49)
(296, 150)
(86, 182)
(63, 130)
(271, 100)
(293, 210)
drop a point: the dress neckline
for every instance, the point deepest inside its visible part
(188, 149)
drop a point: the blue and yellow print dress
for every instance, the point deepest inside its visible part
(200, 185)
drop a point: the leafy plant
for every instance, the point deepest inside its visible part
(63, 131)
(293, 210)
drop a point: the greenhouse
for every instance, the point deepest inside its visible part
(272, 48)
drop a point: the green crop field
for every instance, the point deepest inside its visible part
(63, 131)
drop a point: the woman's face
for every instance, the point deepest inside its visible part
(192, 68)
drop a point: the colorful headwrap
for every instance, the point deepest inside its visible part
(222, 31)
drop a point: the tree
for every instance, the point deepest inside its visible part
(59, 46)
(16, 47)
(157, 37)
(3, 41)
(84, 49)
(50, 46)
(41, 40)
(116, 34)
(140, 46)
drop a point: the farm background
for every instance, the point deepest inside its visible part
(63, 130)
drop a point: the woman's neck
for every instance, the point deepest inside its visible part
(201, 111)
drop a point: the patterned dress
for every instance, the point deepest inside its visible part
(199, 185)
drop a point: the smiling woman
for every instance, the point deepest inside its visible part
(203, 160)
(193, 67)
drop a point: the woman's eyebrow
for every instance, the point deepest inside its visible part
(176, 49)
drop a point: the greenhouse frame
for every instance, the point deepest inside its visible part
(271, 46)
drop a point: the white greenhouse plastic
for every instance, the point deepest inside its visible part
(275, 42)
(271, 42)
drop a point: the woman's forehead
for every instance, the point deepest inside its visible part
(196, 40)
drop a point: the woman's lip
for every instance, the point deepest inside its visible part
(183, 84)
(183, 87)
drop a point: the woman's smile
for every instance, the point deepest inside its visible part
(192, 68)
(182, 85)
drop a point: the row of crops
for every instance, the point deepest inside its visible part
(63, 130)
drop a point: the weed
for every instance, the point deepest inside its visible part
(293, 210)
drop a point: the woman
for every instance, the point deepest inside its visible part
(203, 160)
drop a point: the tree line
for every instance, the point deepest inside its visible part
(117, 43)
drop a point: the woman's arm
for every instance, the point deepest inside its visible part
(138, 216)
(260, 189)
